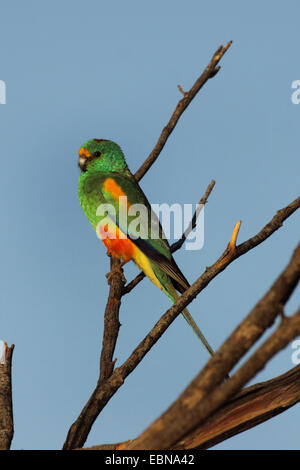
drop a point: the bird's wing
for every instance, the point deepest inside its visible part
(156, 248)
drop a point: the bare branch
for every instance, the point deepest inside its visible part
(131, 285)
(286, 332)
(210, 71)
(177, 245)
(6, 408)
(109, 339)
(111, 320)
(208, 391)
(251, 407)
(217, 368)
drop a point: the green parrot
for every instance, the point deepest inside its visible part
(106, 190)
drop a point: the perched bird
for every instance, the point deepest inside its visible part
(106, 182)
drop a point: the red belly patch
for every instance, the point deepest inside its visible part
(121, 248)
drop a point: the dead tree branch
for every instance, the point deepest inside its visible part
(6, 407)
(208, 391)
(211, 70)
(238, 343)
(111, 320)
(117, 286)
(251, 407)
(177, 245)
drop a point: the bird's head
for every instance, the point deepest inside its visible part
(101, 155)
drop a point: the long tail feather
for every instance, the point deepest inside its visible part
(188, 317)
(172, 294)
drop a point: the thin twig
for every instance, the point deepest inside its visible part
(210, 71)
(131, 285)
(177, 245)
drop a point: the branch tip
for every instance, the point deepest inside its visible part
(185, 93)
(210, 71)
(232, 243)
(3, 354)
(221, 51)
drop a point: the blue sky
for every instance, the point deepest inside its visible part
(79, 70)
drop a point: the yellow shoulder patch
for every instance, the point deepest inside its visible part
(113, 188)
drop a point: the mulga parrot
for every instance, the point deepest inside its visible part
(105, 180)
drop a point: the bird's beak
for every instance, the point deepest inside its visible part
(84, 154)
(82, 163)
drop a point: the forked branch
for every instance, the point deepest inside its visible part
(217, 368)
(177, 245)
(208, 391)
(249, 408)
(79, 430)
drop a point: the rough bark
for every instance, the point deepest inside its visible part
(6, 407)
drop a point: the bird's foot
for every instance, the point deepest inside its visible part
(117, 269)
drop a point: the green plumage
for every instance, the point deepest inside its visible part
(105, 176)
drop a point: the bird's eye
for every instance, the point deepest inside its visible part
(97, 154)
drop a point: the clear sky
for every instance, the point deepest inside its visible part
(76, 70)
